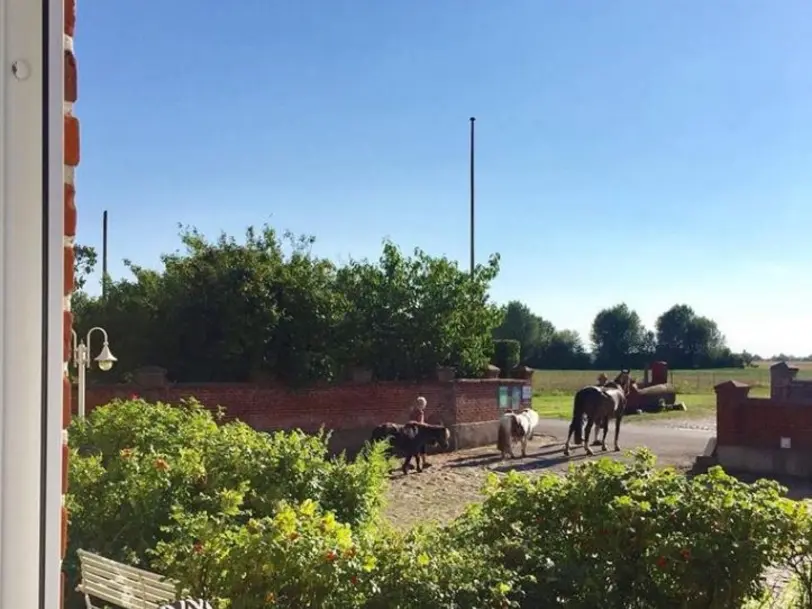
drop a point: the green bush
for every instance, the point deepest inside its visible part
(253, 520)
(613, 535)
(506, 355)
(800, 562)
(303, 557)
(134, 465)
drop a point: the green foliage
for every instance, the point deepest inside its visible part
(506, 355)
(302, 556)
(619, 339)
(406, 316)
(134, 465)
(252, 520)
(225, 310)
(84, 262)
(688, 340)
(296, 557)
(618, 336)
(800, 563)
(542, 346)
(631, 536)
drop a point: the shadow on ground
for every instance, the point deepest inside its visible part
(550, 455)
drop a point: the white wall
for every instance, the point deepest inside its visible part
(30, 303)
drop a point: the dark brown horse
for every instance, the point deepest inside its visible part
(411, 440)
(597, 405)
(625, 382)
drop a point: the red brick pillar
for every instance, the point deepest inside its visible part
(729, 396)
(71, 160)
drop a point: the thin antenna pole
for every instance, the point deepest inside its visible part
(104, 255)
(473, 209)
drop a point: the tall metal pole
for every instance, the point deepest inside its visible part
(81, 364)
(104, 255)
(473, 120)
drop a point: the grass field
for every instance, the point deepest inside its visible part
(553, 389)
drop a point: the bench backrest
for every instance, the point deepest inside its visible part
(122, 585)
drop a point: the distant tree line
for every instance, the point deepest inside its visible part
(619, 339)
(782, 357)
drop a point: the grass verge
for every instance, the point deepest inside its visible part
(559, 405)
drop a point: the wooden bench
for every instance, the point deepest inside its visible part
(122, 585)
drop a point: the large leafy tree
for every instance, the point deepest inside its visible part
(406, 315)
(225, 310)
(219, 305)
(618, 337)
(266, 307)
(532, 331)
(542, 346)
(688, 340)
(565, 351)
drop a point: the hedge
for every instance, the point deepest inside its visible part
(252, 520)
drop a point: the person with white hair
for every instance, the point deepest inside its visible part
(418, 414)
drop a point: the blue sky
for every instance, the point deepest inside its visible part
(649, 152)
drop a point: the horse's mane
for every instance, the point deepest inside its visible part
(386, 430)
(427, 425)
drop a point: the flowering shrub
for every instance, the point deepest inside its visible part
(298, 557)
(252, 520)
(303, 557)
(134, 465)
(632, 536)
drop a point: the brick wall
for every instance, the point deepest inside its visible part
(71, 160)
(343, 407)
(760, 423)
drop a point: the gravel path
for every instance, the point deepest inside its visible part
(699, 423)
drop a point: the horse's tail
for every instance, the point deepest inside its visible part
(578, 408)
(517, 429)
(503, 438)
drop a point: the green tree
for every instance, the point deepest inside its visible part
(84, 262)
(265, 306)
(225, 310)
(407, 315)
(565, 351)
(618, 337)
(218, 305)
(688, 340)
(532, 331)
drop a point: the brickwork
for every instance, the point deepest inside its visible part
(71, 160)
(341, 407)
(760, 423)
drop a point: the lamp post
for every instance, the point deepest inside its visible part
(81, 359)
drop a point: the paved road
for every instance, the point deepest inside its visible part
(673, 445)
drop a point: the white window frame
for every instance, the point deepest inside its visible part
(31, 301)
